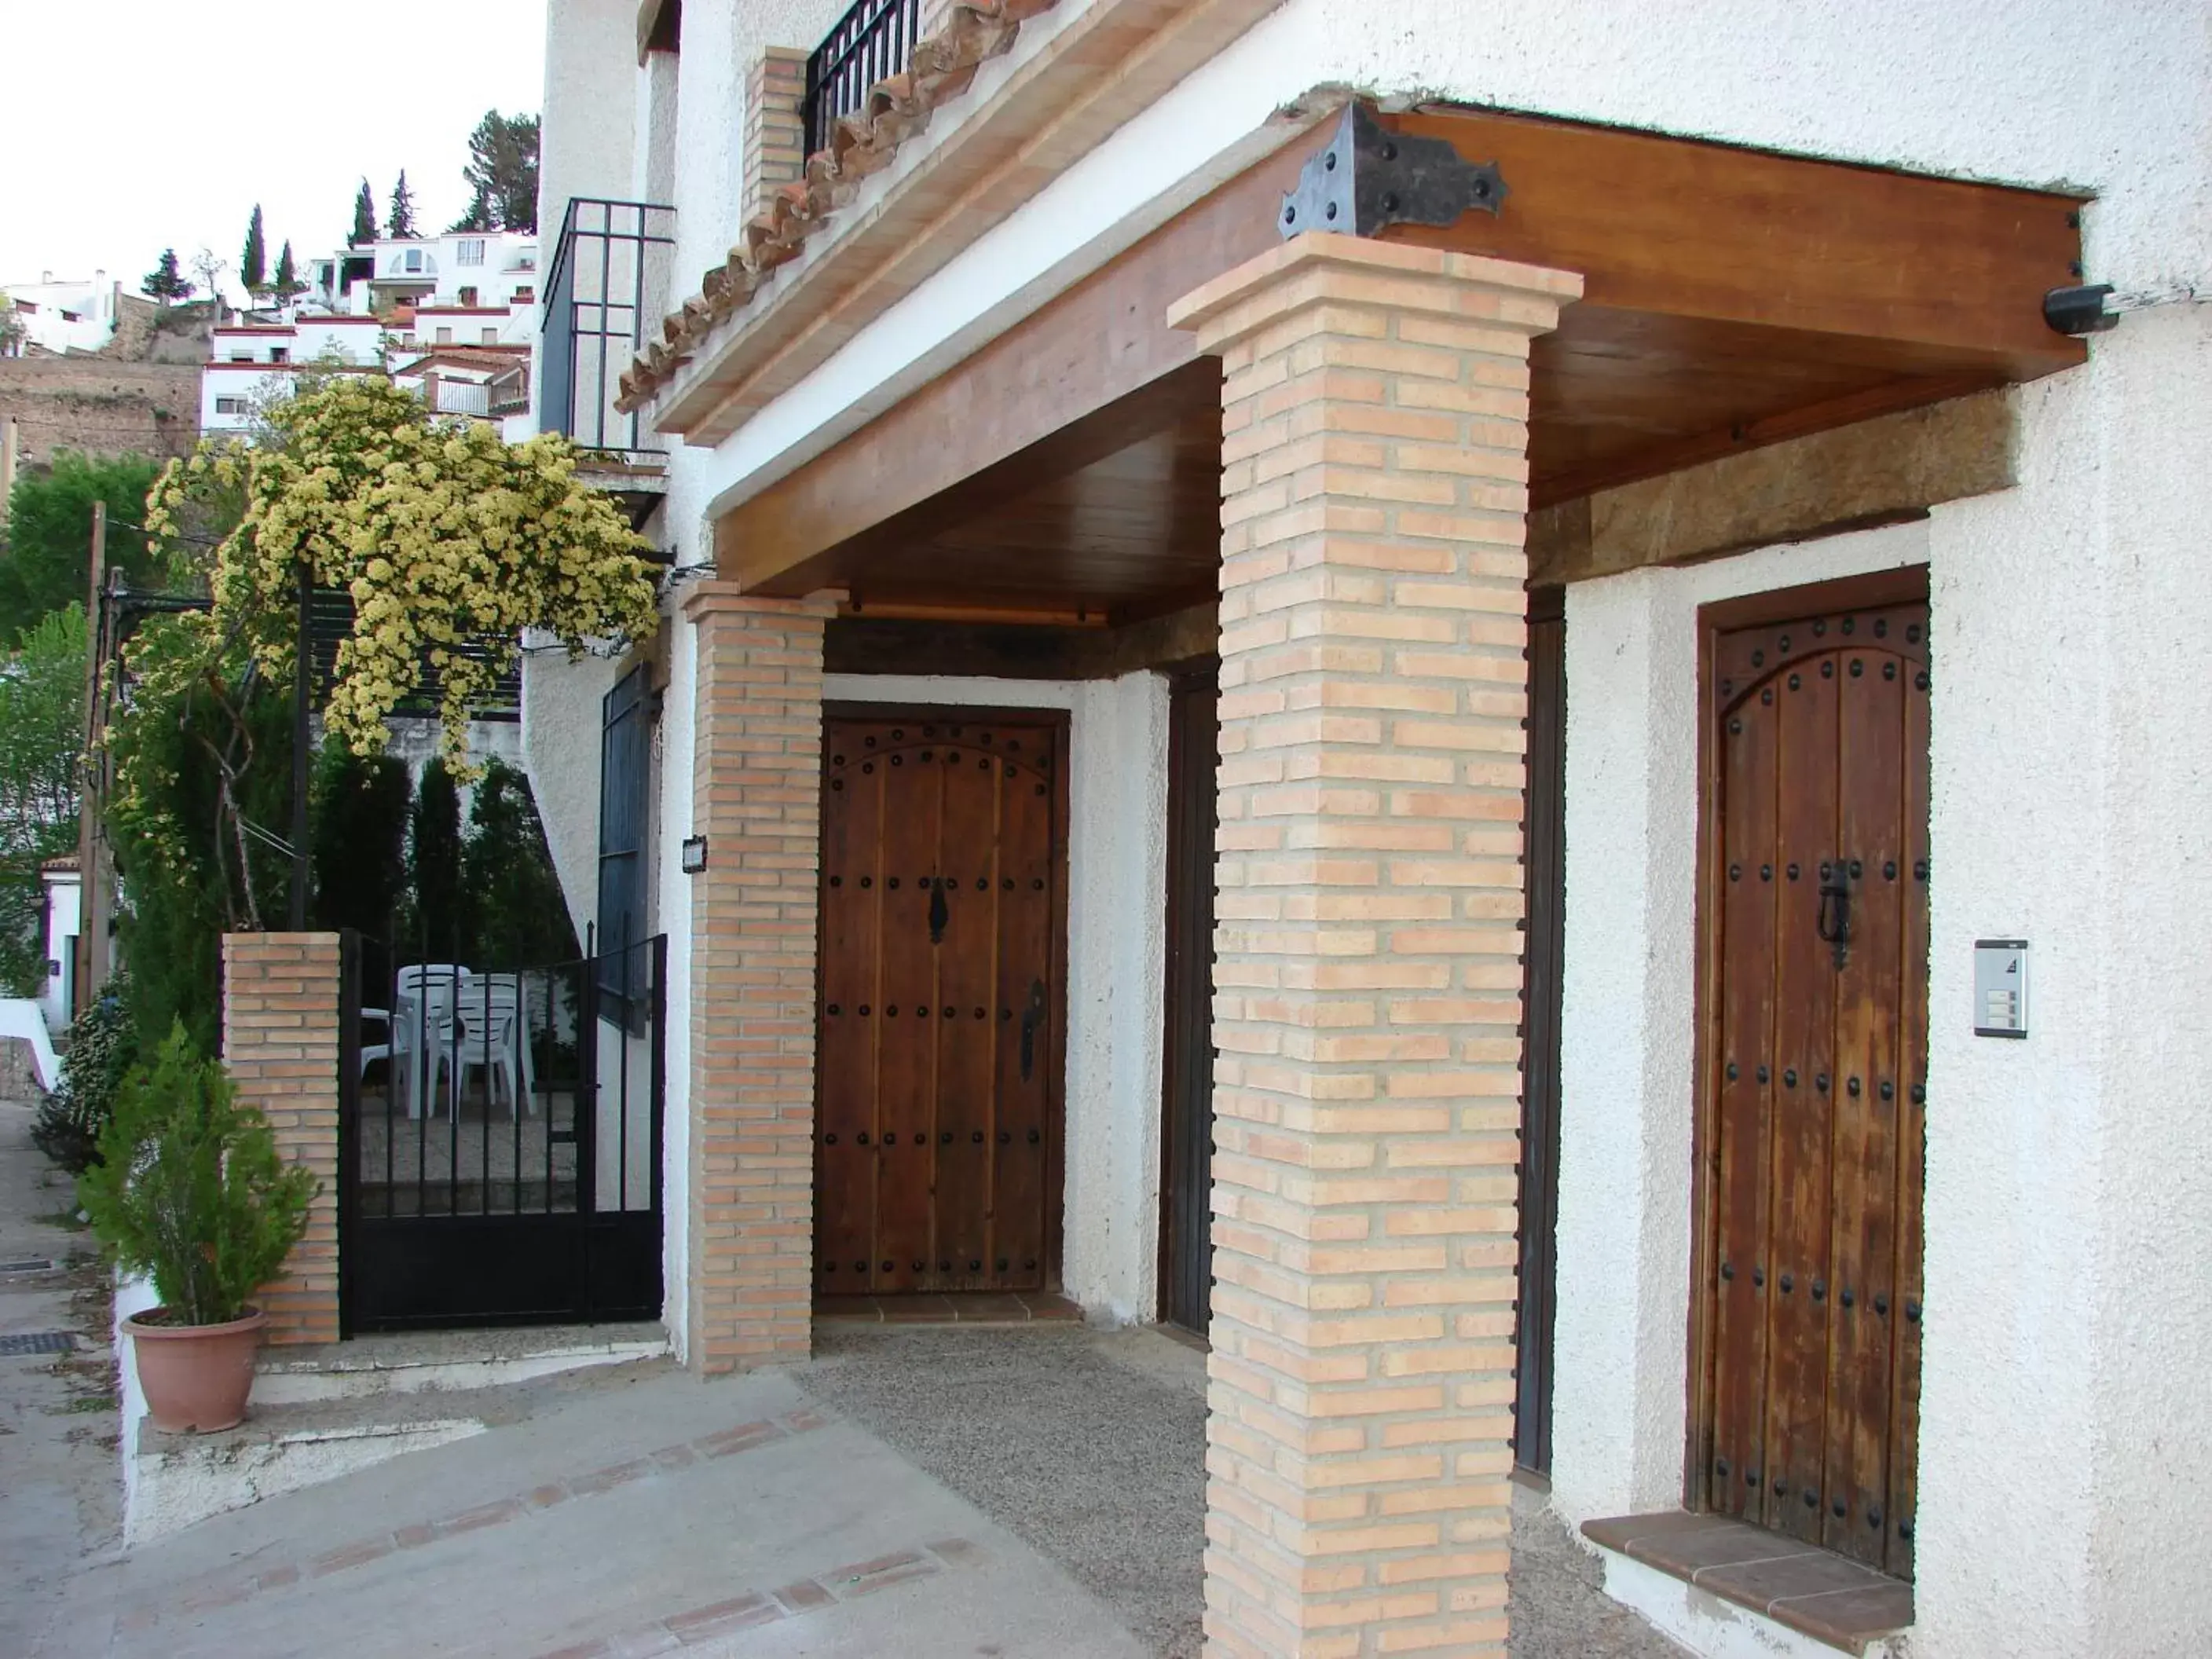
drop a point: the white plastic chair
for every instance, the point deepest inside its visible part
(496, 1040)
(419, 1024)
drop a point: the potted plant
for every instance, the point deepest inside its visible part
(190, 1192)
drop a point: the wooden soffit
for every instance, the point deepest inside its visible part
(1734, 300)
(992, 153)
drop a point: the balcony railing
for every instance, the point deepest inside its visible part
(869, 42)
(609, 272)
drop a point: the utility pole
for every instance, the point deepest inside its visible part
(94, 863)
(7, 464)
(303, 684)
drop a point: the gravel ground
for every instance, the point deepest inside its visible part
(1089, 1444)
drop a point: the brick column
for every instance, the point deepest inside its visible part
(756, 797)
(280, 1045)
(775, 143)
(1367, 943)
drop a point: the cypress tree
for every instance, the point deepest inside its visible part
(364, 217)
(440, 928)
(254, 263)
(401, 220)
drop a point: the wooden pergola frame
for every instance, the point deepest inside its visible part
(1703, 262)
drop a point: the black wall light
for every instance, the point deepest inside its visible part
(695, 854)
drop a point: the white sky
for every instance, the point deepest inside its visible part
(132, 125)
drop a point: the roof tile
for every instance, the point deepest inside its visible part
(941, 67)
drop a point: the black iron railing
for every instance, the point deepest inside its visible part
(868, 43)
(500, 1136)
(609, 270)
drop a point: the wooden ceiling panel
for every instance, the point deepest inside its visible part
(1072, 466)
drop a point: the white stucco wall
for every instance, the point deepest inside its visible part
(561, 719)
(2069, 1177)
(1116, 957)
(2069, 1317)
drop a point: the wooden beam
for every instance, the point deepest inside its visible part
(1104, 340)
(872, 645)
(1877, 472)
(817, 506)
(1680, 227)
(1800, 295)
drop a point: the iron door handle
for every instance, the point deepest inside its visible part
(1833, 923)
(1032, 1016)
(938, 914)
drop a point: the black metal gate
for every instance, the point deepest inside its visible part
(499, 1139)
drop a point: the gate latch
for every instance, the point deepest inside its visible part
(938, 914)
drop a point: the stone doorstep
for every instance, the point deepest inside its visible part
(1814, 1591)
(415, 1362)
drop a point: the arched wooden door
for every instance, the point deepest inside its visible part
(939, 1015)
(1814, 980)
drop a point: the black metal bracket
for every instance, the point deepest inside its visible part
(2080, 310)
(1367, 177)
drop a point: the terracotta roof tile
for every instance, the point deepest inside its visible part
(939, 70)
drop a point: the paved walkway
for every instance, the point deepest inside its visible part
(58, 1497)
(938, 1491)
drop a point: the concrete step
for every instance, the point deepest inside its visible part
(416, 1362)
(175, 1479)
(322, 1411)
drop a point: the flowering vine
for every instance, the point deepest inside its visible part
(450, 541)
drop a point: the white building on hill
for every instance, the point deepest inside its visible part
(59, 317)
(453, 315)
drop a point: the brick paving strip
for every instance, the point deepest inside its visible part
(667, 1459)
(742, 1612)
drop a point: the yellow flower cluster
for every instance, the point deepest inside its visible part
(450, 541)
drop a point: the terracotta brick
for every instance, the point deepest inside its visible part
(280, 1045)
(1361, 1239)
(756, 782)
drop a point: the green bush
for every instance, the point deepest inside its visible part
(103, 1044)
(190, 1189)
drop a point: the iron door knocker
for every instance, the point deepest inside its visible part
(1031, 1016)
(1833, 923)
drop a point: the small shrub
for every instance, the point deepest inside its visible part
(191, 1190)
(103, 1043)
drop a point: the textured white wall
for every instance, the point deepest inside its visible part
(2069, 1316)
(1116, 963)
(585, 139)
(562, 715)
(673, 899)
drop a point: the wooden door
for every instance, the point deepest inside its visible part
(1542, 989)
(1813, 1064)
(937, 1155)
(1186, 1139)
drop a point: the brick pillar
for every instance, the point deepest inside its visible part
(775, 143)
(756, 797)
(1368, 945)
(280, 1045)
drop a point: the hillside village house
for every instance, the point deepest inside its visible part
(452, 316)
(1503, 705)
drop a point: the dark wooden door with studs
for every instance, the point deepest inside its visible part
(937, 1152)
(1814, 1057)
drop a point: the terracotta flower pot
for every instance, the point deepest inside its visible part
(196, 1377)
